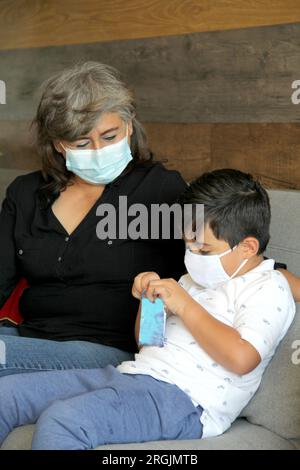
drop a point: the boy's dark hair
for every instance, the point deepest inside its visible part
(235, 206)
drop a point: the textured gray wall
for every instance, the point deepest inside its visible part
(226, 76)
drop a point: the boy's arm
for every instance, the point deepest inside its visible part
(294, 283)
(257, 323)
(222, 343)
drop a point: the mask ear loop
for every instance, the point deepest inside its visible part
(227, 252)
(239, 268)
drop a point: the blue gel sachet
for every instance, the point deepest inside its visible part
(152, 323)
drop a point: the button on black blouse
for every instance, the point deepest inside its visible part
(79, 285)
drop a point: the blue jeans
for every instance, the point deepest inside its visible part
(19, 354)
(82, 409)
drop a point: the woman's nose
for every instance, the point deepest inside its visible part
(96, 144)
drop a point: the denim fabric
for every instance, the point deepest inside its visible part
(19, 354)
(82, 409)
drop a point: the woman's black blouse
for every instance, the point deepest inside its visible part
(80, 285)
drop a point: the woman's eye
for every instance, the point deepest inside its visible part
(80, 146)
(111, 137)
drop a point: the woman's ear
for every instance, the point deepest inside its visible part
(130, 128)
(250, 247)
(58, 147)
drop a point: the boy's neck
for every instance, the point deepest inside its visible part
(251, 264)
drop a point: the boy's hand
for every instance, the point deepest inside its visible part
(175, 298)
(141, 282)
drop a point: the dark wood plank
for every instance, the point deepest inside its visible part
(229, 76)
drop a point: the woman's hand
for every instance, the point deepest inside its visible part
(141, 282)
(175, 298)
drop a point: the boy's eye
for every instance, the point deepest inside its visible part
(202, 252)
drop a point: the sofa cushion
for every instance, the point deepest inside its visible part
(284, 244)
(241, 436)
(276, 404)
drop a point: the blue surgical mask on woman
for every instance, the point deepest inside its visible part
(100, 166)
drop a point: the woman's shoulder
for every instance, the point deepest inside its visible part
(156, 178)
(29, 178)
(158, 170)
(25, 184)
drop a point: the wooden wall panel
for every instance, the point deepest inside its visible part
(270, 151)
(229, 76)
(185, 147)
(39, 23)
(17, 146)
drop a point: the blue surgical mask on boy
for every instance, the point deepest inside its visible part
(100, 166)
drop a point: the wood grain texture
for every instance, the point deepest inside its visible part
(183, 147)
(229, 76)
(269, 151)
(17, 149)
(40, 23)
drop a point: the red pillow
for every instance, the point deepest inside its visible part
(10, 310)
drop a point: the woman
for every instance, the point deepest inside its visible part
(78, 310)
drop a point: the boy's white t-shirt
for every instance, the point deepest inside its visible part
(260, 306)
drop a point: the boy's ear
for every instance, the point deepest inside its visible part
(250, 247)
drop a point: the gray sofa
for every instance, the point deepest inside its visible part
(272, 418)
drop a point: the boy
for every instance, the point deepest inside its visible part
(225, 319)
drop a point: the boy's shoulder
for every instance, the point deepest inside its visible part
(265, 276)
(266, 288)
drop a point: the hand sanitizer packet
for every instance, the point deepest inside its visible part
(152, 323)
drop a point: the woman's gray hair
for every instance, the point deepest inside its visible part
(71, 104)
